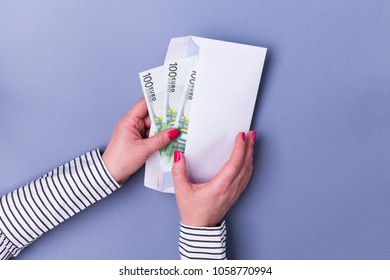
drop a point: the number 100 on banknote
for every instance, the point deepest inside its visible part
(169, 91)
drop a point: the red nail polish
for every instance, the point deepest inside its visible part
(172, 134)
(254, 135)
(176, 156)
(243, 136)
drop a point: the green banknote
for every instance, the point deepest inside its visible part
(182, 118)
(153, 87)
(168, 91)
(175, 73)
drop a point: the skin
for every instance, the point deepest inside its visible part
(203, 205)
(129, 146)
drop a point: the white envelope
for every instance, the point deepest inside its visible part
(228, 77)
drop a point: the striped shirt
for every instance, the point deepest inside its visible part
(203, 242)
(30, 211)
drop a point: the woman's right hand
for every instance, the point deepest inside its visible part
(205, 205)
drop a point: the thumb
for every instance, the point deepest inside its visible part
(179, 175)
(160, 140)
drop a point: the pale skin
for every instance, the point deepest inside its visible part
(201, 205)
(129, 146)
(205, 205)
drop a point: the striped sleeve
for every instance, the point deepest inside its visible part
(204, 243)
(30, 211)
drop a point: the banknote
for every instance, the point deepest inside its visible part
(153, 87)
(182, 118)
(176, 74)
(168, 91)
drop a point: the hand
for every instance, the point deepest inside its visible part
(205, 205)
(129, 146)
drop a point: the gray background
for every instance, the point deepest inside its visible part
(321, 185)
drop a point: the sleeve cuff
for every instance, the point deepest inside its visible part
(110, 178)
(204, 243)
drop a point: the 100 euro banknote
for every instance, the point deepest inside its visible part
(168, 90)
(176, 74)
(182, 120)
(153, 88)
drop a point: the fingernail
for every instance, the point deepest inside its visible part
(172, 134)
(243, 136)
(254, 135)
(176, 156)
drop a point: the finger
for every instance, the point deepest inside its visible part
(160, 140)
(147, 121)
(251, 136)
(233, 166)
(138, 111)
(180, 180)
(244, 175)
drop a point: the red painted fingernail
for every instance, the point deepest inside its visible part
(172, 134)
(254, 135)
(176, 156)
(243, 136)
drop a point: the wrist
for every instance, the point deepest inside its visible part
(200, 223)
(112, 169)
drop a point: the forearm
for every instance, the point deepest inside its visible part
(32, 210)
(203, 242)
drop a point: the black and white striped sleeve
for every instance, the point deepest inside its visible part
(205, 243)
(30, 211)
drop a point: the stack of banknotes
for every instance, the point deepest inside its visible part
(169, 91)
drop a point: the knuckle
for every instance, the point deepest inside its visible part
(176, 171)
(120, 124)
(160, 141)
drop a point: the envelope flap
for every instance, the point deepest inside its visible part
(181, 47)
